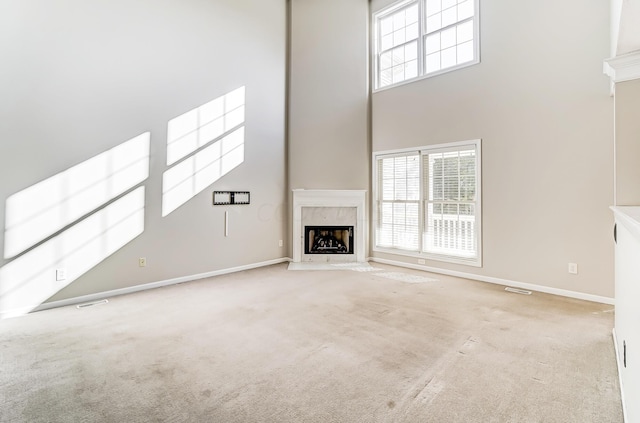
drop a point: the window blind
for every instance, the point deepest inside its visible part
(427, 202)
(450, 183)
(399, 202)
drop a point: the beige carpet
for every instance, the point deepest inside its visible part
(271, 345)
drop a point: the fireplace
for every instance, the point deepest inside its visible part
(328, 239)
(329, 226)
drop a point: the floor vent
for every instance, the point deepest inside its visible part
(92, 303)
(517, 290)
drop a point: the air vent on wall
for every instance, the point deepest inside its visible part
(91, 304)
(517, 291)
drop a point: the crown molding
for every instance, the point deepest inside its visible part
(623, 68)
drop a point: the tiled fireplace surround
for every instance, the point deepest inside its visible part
(328, 208)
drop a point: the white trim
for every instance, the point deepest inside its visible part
(428, 256)
(428, 75)
(446, 146)
(499, 281)
(422, 73)
(619, 367)
(153, 285)
(168, 282)
(329, 198)
(615, 150)
(629, 217)
(375, 19)
(623, 68)
(421, 151)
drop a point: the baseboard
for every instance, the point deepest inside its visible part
(615, 345)
(499, 281)
(153, 285)
(159, 284)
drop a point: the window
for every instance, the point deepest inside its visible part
(399, 202)
(420, 38)
(399, 33)
(428, 202)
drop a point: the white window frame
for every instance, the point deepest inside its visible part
(418, 201)
(420, 253)
(422, 67)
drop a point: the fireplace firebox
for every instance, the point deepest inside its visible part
(328, 239)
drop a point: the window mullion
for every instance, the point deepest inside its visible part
(405, 6)
(453, 232)
(421, 29)
(379, 52)
(439, 60)
(444, 28)
(395, 47)
(421, 208)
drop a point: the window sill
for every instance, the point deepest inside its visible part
(472, 262)
(427, 76)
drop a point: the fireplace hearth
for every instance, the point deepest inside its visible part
(328, 239)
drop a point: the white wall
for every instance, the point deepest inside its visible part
(541, 105)
(79, 78)
(627, 101)
(625, 31)
(328, 95)
(614, 16)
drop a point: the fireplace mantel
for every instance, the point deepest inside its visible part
(329, 198)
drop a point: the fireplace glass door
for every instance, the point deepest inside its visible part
(328, 239)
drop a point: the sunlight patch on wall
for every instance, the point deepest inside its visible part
(41, 210)
(211, 137)
(198, 127)
(29, 280)
(191, 176)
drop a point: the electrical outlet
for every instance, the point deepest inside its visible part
(573, 268)
(422, 261)
(61, 274)
(142, 262)
(280, 243)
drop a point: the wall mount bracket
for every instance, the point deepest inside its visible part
(225, 198)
